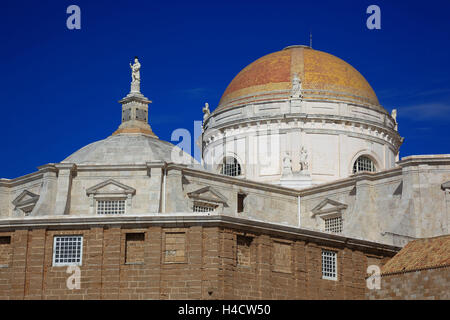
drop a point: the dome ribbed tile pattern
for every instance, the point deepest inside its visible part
(323, 77)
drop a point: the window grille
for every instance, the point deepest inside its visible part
(67, 250)
(333, 224)
(363, 164)
(110, 206)
(329, 266)
(231, 167)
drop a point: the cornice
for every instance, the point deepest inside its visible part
(303, 118)
(235, 181)
(438, 159)
(21, 180)
(184, 220)
(351, 181)
(309, 95)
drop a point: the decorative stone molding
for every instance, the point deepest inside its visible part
(446, 186)
(209, 197)
(208, 194)
(25, 202)
(328, 207)
(110, 190)
(100, 189)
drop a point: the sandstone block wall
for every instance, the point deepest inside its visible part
(191, 262)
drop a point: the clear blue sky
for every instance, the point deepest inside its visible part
(59, 88)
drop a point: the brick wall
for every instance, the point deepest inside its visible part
(196, 262)
(415, 285)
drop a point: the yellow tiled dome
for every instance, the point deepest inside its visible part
(323, 77)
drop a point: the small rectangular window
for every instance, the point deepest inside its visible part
(5, 240)
(126, 115)
(110, 206)
(282, 257)
(140, 115)
(5, 251)
(240, 202)
(67, 250)
(134, 248)
(175, 247)
(333, 224)
(329, 265)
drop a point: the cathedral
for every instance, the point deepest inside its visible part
(300, 188)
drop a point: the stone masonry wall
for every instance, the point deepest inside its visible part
(190, 262)
(417, 285)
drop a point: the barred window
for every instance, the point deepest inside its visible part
(363, 163)
(67, 250)
(329, 265)
(110, 206)
(203, 207)
(333, 224)
(231, 167)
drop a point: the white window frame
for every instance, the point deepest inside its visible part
(97, 203)
(59, 264)
(329, 260)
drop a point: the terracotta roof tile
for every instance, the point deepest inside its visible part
(320, 72)
(420, 254)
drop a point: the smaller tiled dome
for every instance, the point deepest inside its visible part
(129, 149)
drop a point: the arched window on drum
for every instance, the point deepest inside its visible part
(364, 164)
(231, 167)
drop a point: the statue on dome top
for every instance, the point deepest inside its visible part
(135, 74)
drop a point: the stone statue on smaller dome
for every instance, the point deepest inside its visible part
(135, 75)
(304, 166)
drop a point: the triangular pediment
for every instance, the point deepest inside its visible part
(24, 198)
(208, 194)
(110, 187)
(328, 206)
